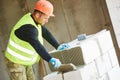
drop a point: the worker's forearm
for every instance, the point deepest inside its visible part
(41, 50)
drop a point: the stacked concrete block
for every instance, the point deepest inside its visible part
(90, 50)
(75, 54)
(100, 66)
(94, 57)
(113, 57)
(86, 72)
(104, 41)
(73, 75)
(104, 77)
(114, 74)
(53, 76)
(89, 72)
(72, 55)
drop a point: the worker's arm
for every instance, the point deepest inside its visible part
(30, 34)
(49, 37)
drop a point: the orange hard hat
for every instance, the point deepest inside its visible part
(44, 6)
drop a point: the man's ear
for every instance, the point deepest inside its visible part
(37, 15)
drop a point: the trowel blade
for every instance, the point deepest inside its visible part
(66, 67)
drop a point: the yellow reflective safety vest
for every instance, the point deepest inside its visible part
(19, 51)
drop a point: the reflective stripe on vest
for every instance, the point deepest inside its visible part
(19, 56)
(21, 48)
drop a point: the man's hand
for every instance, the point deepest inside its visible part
(63, 47)
(55, 62)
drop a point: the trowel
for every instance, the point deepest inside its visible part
(66, 68)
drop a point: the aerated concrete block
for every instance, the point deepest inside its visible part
(72, 75)
(104, 77)
(90, 50)
(113, 57)
(104, 41)
(86, 72)
(103, 64)
(114, 74)
(100, 66)
(107, 62)
(53, 76)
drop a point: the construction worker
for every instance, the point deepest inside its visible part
(25, 46)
